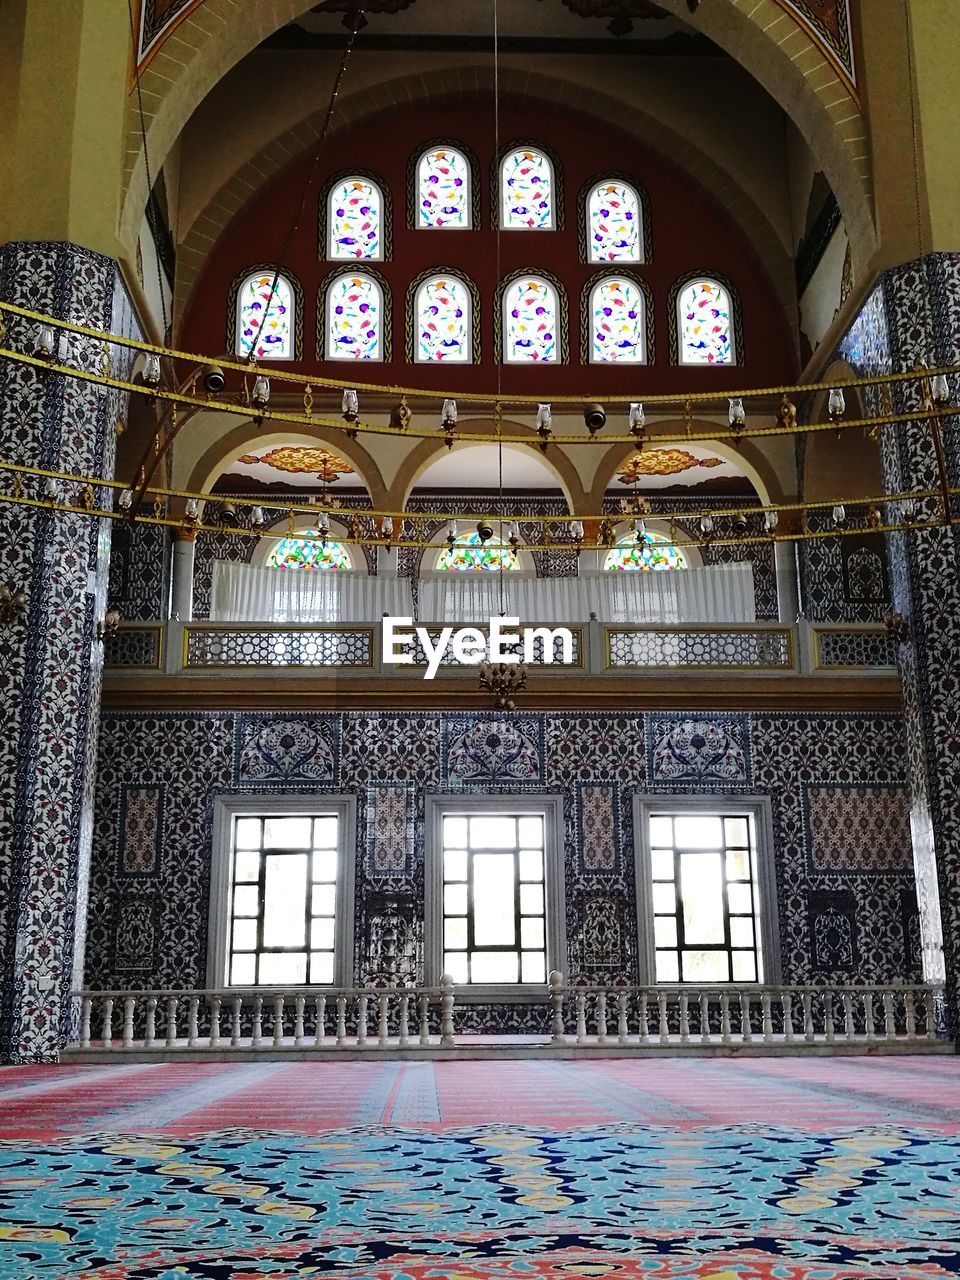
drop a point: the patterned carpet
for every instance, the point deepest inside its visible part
(761, 1169)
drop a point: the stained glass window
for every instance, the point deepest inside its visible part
(527, 191)
(265, 317)
(617, 313)
(614, 224)
(468, 552)
(308, 553)
(354, 318)
(650, 550)
(442, 308)
(704, 317)
(354, 220)
(530, 319)
(443, 190)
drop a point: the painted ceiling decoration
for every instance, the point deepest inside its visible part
(301, 460)
(826, 21)
(663, 462)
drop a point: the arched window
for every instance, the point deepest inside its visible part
(528, 197)
(308, 553)
(468, 552)
(444, 190)
(355, 217)
(705, 323)
(616, 313)
(265, 319)
(648, 550)
(355, 317)
(532, 320)
(614, 223)
(443, 320)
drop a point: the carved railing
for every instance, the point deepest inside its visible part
(297, 1018)
(736, 1016)
(267, 645)
(853, 648)
(707, 648)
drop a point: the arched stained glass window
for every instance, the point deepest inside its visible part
(308, 553)
(468, 552)
(354, 318)
(443, 190)
(531, 315)
(649, 550)
(265, 317)
(705, 323)
(355, 220)
(617, 322)
(614, 223)
(442, 307)
(527, 195)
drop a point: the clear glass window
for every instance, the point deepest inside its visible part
(706, 924)
(494, 923)
(283, 908)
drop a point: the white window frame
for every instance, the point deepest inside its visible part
(238, 327)
(330, 255)
(225, 809)
(592, 257)
(591, 323)
(439, 275)
(647, 805)
(505, 321)
(421, 224)
(329, 345)
(502, 191)
(551, 807)
(704, 364)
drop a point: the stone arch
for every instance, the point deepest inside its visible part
(768, 42)
(230, 446)
(749, 458)
(420, 457)
(229, 194)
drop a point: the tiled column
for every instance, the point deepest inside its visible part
(51, 658)
(913, 318)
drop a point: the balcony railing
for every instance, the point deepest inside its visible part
(764, 649)
(573, 1018)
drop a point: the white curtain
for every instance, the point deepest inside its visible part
(721, 594)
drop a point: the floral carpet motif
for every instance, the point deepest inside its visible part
(167, 1197)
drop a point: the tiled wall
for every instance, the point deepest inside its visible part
(843, 860)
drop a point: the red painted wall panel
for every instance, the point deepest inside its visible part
(689, 232)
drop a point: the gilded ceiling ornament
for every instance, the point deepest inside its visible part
(663, 462)
(302, 460)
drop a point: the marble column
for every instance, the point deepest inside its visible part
(51, 658)
(913, 318)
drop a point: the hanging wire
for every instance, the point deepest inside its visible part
(357, 21)
(135, 44)
(498, 410)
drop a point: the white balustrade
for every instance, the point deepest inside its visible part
(151, 1020)
(688, 1017)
